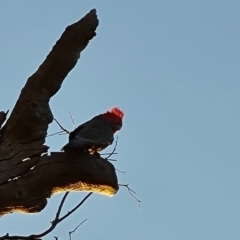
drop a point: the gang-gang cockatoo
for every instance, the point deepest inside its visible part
(95, 134)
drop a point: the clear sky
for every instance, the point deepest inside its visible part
(173, 67)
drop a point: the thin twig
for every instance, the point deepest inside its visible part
(111, 160)
(108, 153)
(114, 149)
(123, 172)
(131, 192)
(72, 120)
(74, 209)
(61, 127)
(60, 206)
(70, 233)
(62, 134)
(59, 133)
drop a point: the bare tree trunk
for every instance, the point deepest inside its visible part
(28, 175)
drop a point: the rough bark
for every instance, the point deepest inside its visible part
(27, 175)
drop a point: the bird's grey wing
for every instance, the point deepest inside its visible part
(91, 132)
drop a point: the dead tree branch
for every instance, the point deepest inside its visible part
(61, 127)
(57, 173)
(28, 176)
(113, 151)
(73, 123)
(71, 232)
(131, 192)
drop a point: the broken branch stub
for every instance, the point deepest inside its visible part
(23, 135)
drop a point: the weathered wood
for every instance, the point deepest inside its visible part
(3, 117)
(56, 173)
(23, 136)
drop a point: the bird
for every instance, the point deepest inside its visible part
(96, 134)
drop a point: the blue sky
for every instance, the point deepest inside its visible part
(173, 67)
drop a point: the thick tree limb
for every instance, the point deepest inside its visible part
(23, 135)
(56, 173)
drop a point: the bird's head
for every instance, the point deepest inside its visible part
(114, 116)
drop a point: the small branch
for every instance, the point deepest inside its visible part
(113, 151)
(54, 223)
(59, 133)
(111, 160)
(72, 120)
(107, 153)
(70, 233)
(60, 207)
(74, 209)
(131, 192)
(61, 127)
(123, 172)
